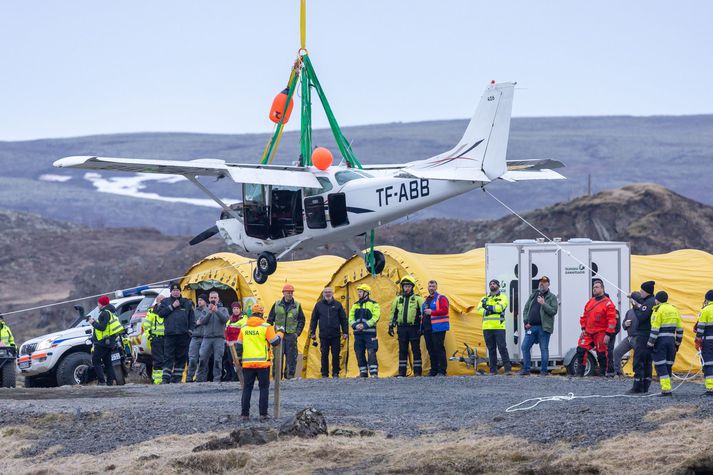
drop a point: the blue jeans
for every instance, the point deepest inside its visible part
(536, 335)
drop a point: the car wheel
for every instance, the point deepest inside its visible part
(73, 369)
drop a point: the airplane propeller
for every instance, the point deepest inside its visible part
(208, 233)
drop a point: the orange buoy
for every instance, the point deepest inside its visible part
(322, 158)
(278, 107)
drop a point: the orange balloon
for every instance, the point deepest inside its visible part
(322, 158)
(278, 107)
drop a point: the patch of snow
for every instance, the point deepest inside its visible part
(55, 178)
(132, 186)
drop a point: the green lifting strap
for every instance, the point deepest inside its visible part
(370, 257)
(306, 123)
(272, 148)
(344, 147)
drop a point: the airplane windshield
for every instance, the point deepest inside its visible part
(348, 175)
(326, 186)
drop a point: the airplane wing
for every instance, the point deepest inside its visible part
(525, 175)
(239, 173)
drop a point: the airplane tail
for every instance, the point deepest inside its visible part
(480, 153)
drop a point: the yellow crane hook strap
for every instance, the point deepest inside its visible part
(303, 23)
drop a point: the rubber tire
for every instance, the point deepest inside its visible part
(68, 365)
(119, 373)
(379, 263)
(258, 277)
(267, 263)
(588, 371)
(9, 376)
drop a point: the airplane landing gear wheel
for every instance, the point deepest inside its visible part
(379, 263)
(259, 277)
(267, 263)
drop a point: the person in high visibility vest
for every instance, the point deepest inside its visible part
(704, 340)
(492, 309)
(107, 328)
(363, 317)
(154, 329)
(6, 338)
(436, 323)
(287, 313)
(406, 314)
(665, 339)
(232, 331)
(254, 346)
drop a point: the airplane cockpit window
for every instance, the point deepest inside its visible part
(325, 186)
(347, 175)
(253, 192)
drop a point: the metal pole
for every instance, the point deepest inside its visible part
(278, 378)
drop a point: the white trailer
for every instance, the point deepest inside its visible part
(567, 264)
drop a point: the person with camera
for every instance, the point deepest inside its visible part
(179, 322)
(643, 307)
(213, 321)
(492, 309)
(107, 328)
(539, 321)
(406, 318)
(155, 331)
(194, 348)
(287, 313)
(333, 329)
(254, 347)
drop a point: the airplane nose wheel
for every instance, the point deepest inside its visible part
(379, 263)
(266, 263)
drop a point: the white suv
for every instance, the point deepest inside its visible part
(62, 358)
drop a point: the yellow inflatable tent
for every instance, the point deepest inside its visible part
(233, 274)
(460, 276)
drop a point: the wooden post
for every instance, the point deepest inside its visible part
(236, 363)
(278, 378)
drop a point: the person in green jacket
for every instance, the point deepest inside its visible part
(539, 320)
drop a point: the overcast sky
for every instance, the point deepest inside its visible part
(83, 67)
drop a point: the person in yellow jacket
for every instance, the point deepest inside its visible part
(107, 328)
(253, 345)
(406, 316)
(363, 317)
(704, 340)
(665, 338)
(154, 330)
(6, 338)
(492, 309)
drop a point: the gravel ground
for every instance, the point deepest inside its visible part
(97, 419)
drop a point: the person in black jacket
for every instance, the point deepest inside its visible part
(642, 353)
(333, 328)
(179, 322)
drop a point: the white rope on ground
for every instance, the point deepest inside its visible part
(535, 401)
(64, 302)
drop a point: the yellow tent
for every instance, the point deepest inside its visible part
(461, 277)
(235, 272)
(685, 275)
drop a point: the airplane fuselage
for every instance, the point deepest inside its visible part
(372, 199)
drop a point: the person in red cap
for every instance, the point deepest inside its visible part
(598, 324)
(107, 328)
(287, 313)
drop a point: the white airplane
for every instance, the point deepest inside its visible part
(285, 207)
